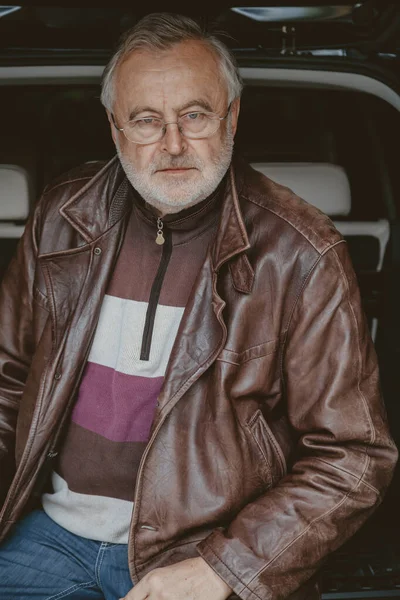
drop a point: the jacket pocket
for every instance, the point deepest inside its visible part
(268, 448)
(253, 353)
(254, 372)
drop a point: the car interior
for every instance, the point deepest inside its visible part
(330, 136)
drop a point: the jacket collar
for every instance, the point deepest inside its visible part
(231, 237)
(100, 203)
(231, 240)
(108, 197)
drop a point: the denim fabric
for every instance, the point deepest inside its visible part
(41, 560)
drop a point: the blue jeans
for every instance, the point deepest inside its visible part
(42, 560)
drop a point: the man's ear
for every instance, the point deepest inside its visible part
(112, 126)
(235, 109)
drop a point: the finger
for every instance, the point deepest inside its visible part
(138, 592)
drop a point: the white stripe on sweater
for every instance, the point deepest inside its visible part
(119, 334)
(94, 517)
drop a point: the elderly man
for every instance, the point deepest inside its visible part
(189, 402)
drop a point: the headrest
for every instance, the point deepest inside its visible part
(324, 185)
(15, 193)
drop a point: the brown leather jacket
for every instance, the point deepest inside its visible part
(270, 445)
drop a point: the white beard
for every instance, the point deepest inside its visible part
(177, 194)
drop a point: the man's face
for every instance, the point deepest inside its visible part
(175, 172)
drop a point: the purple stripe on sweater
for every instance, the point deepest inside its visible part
(117, 406)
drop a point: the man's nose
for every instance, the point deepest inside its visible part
(173, 141)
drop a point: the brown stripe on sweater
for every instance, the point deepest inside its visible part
(94, 465)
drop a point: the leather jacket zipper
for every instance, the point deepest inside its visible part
(156, 290)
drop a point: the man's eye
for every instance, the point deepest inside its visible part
(145, 123)
(193, 116)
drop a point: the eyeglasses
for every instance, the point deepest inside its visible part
(194, 125)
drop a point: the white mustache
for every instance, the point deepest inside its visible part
(176, 164)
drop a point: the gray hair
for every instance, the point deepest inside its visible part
(161, 31)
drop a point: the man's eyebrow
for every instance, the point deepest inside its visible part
(202, 103)
(140, 109)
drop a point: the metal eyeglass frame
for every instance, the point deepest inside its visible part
(165, 123)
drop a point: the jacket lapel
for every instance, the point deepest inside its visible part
(76, 279)
(202, 333)
(100, 203)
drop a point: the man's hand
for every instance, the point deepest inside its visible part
(190, 579)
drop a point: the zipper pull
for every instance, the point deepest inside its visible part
(160, 239)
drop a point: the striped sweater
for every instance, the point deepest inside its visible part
(94, 480)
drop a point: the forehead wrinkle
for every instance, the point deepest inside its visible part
(163, 63)
(165, 76)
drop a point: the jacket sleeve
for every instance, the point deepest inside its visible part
(344, 458)
(16, 344)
